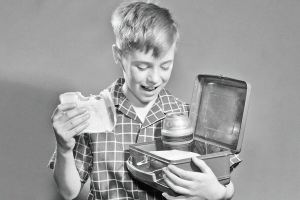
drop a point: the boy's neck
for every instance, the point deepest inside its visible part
(143, 111)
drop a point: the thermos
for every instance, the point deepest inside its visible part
(177, 132)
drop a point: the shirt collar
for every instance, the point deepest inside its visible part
(116, 91)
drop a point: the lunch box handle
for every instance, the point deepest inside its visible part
(146, 176)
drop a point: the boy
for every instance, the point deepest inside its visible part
(146, 37)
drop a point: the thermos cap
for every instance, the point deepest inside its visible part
(175, 121)
(176, 124)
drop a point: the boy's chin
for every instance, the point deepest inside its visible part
(146, 100)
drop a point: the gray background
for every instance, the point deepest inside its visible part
(54, 46)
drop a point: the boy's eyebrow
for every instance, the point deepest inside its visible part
(167, 61)
(149, 63)
(137, 62)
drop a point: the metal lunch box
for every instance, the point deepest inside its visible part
(218, 117)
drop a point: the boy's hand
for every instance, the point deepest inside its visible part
(68, 120)
(193, 185)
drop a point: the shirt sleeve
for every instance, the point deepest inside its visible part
(82, 156)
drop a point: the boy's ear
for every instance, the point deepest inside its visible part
(116, 53)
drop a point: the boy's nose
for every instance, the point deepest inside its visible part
(153, 77)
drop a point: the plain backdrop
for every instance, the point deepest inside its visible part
(52, 46)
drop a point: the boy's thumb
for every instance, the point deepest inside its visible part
(201, 165)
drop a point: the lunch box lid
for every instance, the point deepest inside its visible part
(219, 109)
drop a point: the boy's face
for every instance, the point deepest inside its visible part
(145, 76)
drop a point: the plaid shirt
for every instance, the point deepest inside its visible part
(102, 156)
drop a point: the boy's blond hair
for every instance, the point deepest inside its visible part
(144, 26)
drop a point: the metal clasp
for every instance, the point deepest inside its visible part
(144, 161)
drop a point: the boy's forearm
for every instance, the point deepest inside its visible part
(66, 175)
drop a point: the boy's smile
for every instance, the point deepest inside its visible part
(145, 75)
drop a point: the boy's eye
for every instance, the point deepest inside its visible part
(142, 66)
(166, 66)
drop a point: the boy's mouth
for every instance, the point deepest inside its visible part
(149, 89)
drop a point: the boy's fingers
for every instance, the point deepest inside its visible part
(79, 129)
(169, 197)
(187, 175)
(61, 109)
(74, 112)
(67, 115)
(202, 165)
(55, 115)
(76, 121)
(175, 179)
(176, 188)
